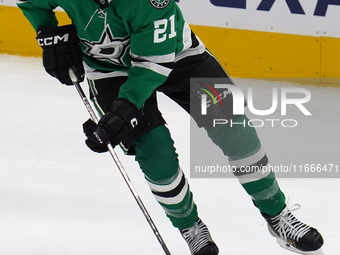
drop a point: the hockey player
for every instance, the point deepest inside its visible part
(130, 50)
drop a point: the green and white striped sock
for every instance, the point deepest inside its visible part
(155, 153)
(243, 148)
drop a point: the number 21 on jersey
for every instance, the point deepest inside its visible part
(160, 33)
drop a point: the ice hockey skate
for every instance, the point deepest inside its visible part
(292, 234)
(199, 240)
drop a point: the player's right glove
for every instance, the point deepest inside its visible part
(61, 51)
(122, 116)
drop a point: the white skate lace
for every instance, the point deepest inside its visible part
(288, 226)
(197, 236)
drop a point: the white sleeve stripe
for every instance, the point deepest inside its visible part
(156, 59)
(200, 49)
(94, 74)
(153, 67)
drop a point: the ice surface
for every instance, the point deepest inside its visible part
(58, 197)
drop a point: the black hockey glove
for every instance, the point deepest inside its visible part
(121, 117)
(61, 51)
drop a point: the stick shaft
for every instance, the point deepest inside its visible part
(120, 166)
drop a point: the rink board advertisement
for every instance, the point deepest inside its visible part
(301, 17)
(251, 38)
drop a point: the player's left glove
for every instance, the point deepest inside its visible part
(121, 117)
(61, 50)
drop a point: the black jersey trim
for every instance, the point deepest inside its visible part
(252, 168)
(172, 193)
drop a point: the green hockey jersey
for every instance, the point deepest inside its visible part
(140, 39)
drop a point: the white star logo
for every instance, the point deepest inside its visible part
(108, 47)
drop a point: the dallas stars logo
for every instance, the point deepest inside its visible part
(159, 4)
(108, 47)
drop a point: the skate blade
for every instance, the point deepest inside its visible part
(289, 247)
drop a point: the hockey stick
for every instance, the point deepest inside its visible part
(119, 164)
